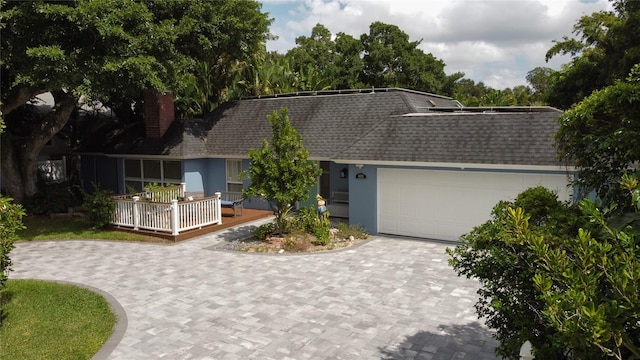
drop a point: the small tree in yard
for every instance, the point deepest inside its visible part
(280, 171)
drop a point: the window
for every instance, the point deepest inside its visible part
(234, 182)
(141, 172)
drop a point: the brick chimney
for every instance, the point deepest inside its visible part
(159, 113)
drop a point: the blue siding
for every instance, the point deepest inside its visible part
(87, 172)
(216, 177)
(194, 172)
(363, 198)
(338, 183)
(107, 173)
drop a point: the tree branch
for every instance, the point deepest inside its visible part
(18, 97)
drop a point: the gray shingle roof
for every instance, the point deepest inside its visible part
(328, 124)
(521, 138)
(387, 126)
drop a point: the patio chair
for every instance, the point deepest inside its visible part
(232, 200)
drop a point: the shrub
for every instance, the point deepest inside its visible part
(305, 219)
(10, 222)
(322, 231)
(263, 231)
(505, 267)
(101, 207)
(308, 221)
(51, 199)
(346, 230)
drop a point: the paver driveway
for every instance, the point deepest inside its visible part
(389, 298)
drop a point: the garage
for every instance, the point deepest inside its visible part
(442, 204)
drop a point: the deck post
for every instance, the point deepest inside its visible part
(136, 213)
(218, 206)
(183, 188)
(175, 216)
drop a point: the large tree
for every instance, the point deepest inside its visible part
(390, 59)
(111, 50)
(604, 50)
(337, 61)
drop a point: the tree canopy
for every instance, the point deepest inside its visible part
(112, 50)
(604, 50)
(599, 135)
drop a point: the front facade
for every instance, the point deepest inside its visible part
(394, 161)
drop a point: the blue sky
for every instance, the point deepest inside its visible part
(493, 41)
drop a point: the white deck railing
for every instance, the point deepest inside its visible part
(172, 217)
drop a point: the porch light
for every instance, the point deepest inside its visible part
(343, 173)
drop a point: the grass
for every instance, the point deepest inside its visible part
(42, 228)
(45, 320)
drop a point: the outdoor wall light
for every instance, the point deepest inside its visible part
(359, 166)
(343, 173)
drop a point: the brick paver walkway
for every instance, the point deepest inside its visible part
(387, 299)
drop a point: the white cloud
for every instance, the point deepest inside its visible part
(494, 41)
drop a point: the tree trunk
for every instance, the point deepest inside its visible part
(20, 155)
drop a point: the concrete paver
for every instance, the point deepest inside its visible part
(390, 298)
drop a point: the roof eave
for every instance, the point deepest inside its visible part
(520, 167)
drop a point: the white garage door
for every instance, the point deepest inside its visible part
(446, 204)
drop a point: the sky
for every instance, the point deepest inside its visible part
(493, 41)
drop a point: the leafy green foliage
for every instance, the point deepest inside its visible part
(309, 221)
(101, 207)
(10, 222)
(590, 285)
(263, 231)
(391, 60)
(505, 267)
(599, 136)
(111, 51)
(279, 171)
(605, 50)
(565, 280)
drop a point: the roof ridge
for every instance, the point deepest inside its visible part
(371, 90)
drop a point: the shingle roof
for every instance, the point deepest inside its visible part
(328, 124)
(520, 138)
(388, 126)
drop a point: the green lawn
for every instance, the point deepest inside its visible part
(41, 228)
(45, 320)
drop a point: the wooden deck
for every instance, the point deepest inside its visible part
(228, 220)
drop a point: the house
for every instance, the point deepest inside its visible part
(394, 161)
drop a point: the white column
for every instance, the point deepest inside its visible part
(136, 213)
(218, 212)
(175, 217)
